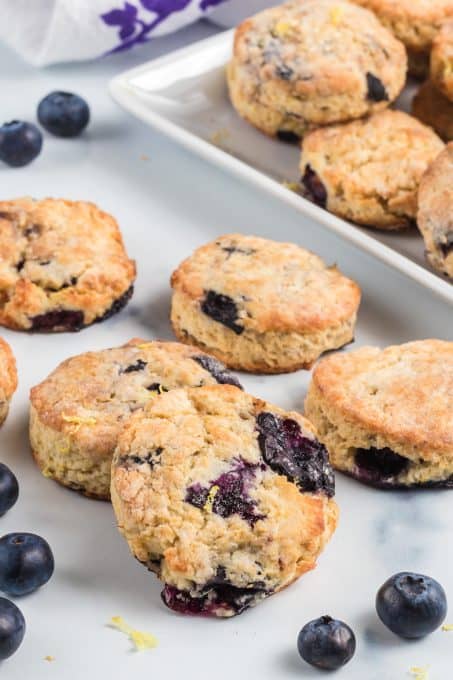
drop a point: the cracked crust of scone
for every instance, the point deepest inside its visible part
(434, 109)
(414, 22)
(290, 305)
(63, 265)
(398, 398)
(435, 212)
(305, 64)
(371, 169)
(442, 61)
(77, 412)
(200, 434)
(8, 378)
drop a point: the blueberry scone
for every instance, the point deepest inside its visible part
(226, 498)
(308, 63)
(434, 109)
(415, 23)
(8, 378)
(442, 60)
(262, 306)
(78, 411)
(63, 265)
(435, 212)
(369, 171)
(385, 415)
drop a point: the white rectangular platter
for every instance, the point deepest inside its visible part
(184, 95)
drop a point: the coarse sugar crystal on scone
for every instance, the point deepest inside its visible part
(78, 411)
(384, 415)
(226, 498)
(369, 171)
(262, 306)
(435, 212)
(434, 109)
(8, 378)
(442, 61)
(308, 63)
(63, 265)
(414, 22)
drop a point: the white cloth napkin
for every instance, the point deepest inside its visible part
(50, 31)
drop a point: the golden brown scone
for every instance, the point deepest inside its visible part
(385, 416)
(442, 60)
(313, 62)
(77, 413)
(415, 23)
(435, 212)
(368, 171)
(8, 378)
(62, 265)
(262, 306)
(434, 109)
(227, 498)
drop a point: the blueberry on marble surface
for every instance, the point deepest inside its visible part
(289, 452)
(26, 563)
(12, 628)
(326, 643)
(9, 489)
(20, 143)
(411, 605)
(63, 114)
(222, 309)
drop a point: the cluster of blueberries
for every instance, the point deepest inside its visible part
(410, 605)
(63, 114)
(26, 564)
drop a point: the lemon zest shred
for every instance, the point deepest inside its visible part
(63, 449)
(78, 421)
(336, 14)
(292, 186)
(420, 672)
(211, 497)
(282, 28)
(144, 345)
(447, 627)
(140, 639)
(49, 658)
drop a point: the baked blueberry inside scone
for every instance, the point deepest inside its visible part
(236, 506)
(385, 415)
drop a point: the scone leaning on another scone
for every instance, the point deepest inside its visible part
(313, 62)
(227, 498)
(262, 306)
(435, 212)
(77, 413)
(434, 109)
(8, 378)
(385, 416)
(369, 171)
(63, 265)
(414, 22)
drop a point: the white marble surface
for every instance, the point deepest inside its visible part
(168, 204)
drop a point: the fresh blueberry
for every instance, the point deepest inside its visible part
(9, 489)
(20, 143)
(63, 114)
(26, 563)
(12, 628)
(326, 643)
(411, 605)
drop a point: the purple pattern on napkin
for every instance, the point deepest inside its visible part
(134, 26)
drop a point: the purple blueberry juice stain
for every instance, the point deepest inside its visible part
(315, 187)
(288, 452)
(223, 309)
(214, 600)
(229, 493)
(379, 465)
(376, 91)
(218, 371)
(58, 320)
